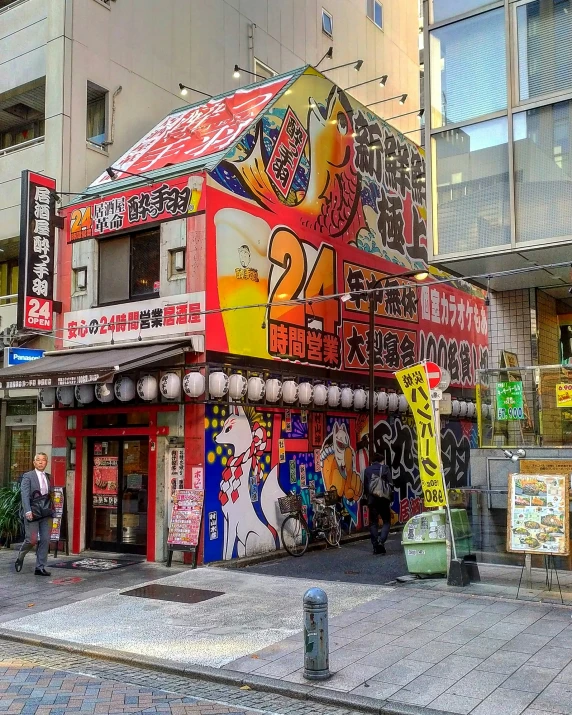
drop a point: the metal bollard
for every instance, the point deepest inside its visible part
(316, 642)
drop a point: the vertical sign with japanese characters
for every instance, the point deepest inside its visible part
(415, 385)
(37, 239)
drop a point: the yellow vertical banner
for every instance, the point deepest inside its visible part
(415, 385)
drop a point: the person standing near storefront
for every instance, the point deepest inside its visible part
(378, 489)
(36, 504)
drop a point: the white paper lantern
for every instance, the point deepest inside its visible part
(104, 391)
(256, 388)
(347, 397)
(320, 395)
(237, 386)
(382, 401)
(360, 399)
(463, 409)
(170, 385)
(471, 409)
(47, 396)
(273, 390)
(124, 388)
(85, 394)
(392, 402)
(194, 384)
(290, 391)
(403, 405)
(65, 395)
(334, 396)
(147, 388)
(218, 384)
(305, 393)
(455, 408)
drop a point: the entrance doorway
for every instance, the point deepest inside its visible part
(118, 471)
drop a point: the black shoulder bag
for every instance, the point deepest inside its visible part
(41, 505)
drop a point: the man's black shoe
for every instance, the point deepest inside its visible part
(42, 572)
(18, 565)
(381, 549)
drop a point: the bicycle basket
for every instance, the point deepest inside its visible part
(290, 504)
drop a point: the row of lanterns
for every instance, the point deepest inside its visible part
(237, 387)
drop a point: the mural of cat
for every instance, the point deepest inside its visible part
(339, 462)
(243, 527)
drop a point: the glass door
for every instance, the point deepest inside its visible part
(117, 513)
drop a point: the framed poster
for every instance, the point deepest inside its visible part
(538, 514)
(510, 361)
(185, 527)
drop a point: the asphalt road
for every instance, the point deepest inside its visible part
(352, 563)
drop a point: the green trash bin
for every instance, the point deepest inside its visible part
(424, 540)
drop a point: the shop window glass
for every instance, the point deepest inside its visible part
(543, 179)
(444, 9)
(468, 69)
(471, 187)
(21, 441)
(544, 29)
(129, 267)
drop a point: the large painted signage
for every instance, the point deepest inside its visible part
(37, 247)
(171, 315)
(197, 131)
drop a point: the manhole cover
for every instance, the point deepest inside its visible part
(173, 593)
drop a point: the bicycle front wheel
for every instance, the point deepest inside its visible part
(334, 533)
(295, 535)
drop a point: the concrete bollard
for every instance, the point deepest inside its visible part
(316, 642)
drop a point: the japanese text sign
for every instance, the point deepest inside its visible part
(37, 237)
(415, 385)
(564, 394)
(186, 517)
(510, 401)
(287, 152)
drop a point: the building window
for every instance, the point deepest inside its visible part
(22, 113)
(262, 70)
(471, 188)
(96, 129)
(327, 23)
(542, 166)
(544, 31)
(375, 12)
(468, 69)
(177, 263)
(80, 279)
(444, 9)
(129, 267)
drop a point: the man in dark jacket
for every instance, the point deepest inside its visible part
(36, 481)
(378, 489)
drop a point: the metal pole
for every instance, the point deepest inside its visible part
(437, 414)
(316, 641)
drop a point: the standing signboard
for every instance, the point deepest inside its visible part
(538, 514)
(59, 528)
(510, 401)
(37, 253)
(185, 525)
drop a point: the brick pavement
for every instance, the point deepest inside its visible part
(39, 681)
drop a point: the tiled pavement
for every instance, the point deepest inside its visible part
(457, 654)
(36, 681)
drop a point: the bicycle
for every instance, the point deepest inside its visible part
(296, 532)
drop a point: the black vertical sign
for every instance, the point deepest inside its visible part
(37, 252)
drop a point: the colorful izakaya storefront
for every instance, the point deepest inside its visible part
(190, 353)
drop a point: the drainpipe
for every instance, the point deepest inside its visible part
(112, 130)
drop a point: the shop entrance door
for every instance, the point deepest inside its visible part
(118, 471)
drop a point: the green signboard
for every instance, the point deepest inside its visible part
(510, 401)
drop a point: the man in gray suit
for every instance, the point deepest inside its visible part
(36, 480)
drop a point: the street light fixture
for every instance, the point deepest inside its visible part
(357, 66)
(401, 97)
(329, 54)
(185, 89)
(238, 70)
(382, 81)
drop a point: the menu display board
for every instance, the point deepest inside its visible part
(186, 516)
(105, 476)
(538, 515)
(58, 502)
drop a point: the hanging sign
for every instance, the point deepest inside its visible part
(105, 477)
(563, 394)
(36, 262)
(510, 401)
(538, 513)
(415, 385)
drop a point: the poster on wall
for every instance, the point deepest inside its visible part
(58, 496)
(105, 476)
(563, 394)
(538, 514)
(510, 401)
(175, 468)
(186, 516)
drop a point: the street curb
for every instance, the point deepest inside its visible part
(260, 683)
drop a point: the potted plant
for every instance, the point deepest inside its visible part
(10, 520)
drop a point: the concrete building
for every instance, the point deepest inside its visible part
(498, 97)
(82, 80)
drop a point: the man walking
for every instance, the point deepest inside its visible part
(36, 480)
(378, 488)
